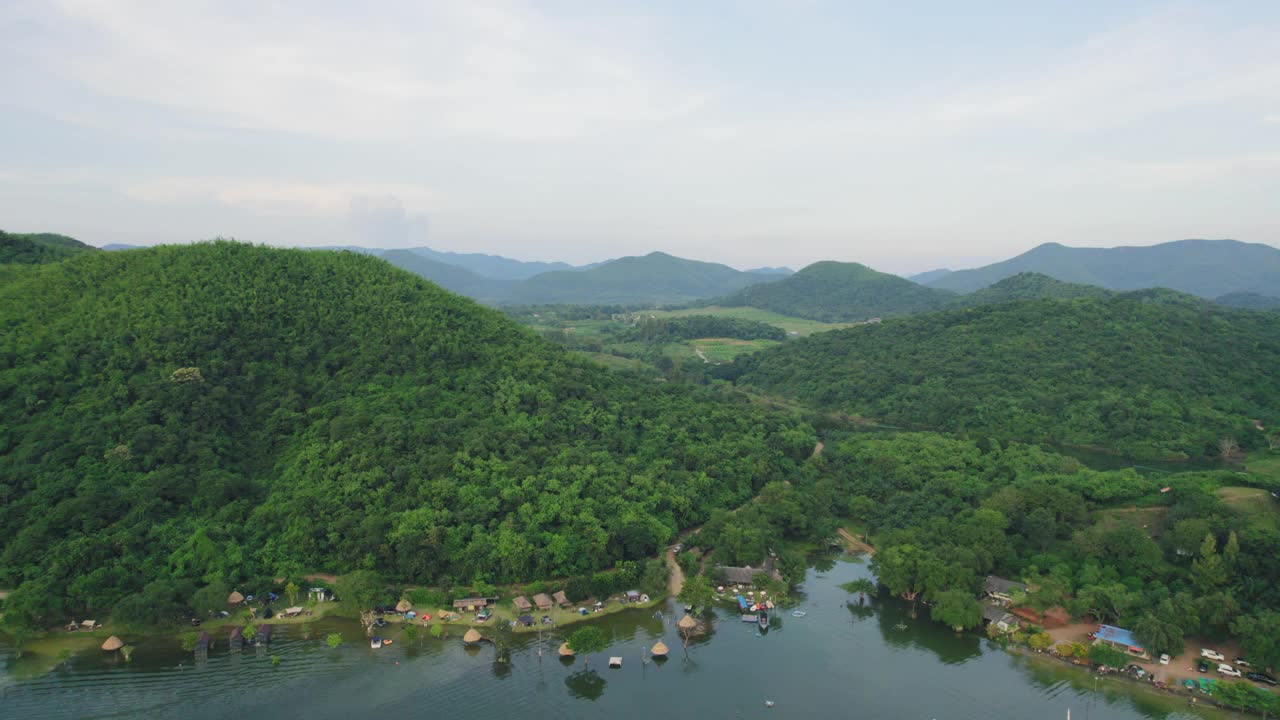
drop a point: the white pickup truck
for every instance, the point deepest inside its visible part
(1212, 654)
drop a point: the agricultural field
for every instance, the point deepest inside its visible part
(723, 350)
(799, 326)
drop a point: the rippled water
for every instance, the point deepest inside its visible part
(837, 662)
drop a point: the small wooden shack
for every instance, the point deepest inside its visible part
(543, 601)
(561, 599)
(472, 604)
(522, 603)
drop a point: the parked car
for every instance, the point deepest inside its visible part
(1242, 662)
(1202, 666)
(1261, 677)
(1227, 670)
(1164, 659)
(1212, 654)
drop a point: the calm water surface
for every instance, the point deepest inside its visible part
(837, 662)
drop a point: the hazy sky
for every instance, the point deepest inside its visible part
(906, 135)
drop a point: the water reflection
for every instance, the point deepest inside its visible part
(585, 685)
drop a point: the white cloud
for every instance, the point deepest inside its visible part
(279, 197)
(478, 68)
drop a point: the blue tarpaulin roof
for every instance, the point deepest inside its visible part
(1117, 635)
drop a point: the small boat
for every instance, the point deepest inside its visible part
(799, 613)
(749, 618)
(387, 641)
(764, 619)
(376, 642)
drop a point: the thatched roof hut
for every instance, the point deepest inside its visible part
(235, 598)
(561, 599)
(112, 644)
(565, 650)
(659, 649)
(472, 636)
(403, 606)
(687, 623)
(522, 603)
(543, 601)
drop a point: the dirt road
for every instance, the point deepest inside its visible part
(854, 542)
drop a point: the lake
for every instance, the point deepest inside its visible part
(836, 662)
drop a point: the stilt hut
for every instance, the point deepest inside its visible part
(404, 606)
(472, 636)
(565, 650)
(659, 649)
(112, 644)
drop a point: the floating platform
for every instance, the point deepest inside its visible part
(615, 662)
(750, 618)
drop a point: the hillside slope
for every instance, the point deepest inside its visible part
(178, 416)
(493, 266)
(1150, 372)
(36, 248)
(840, 292)
(653, 278)
(1208, 268)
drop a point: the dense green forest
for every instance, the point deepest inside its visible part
(840, 292)
(1150, 373)
(178, 417)
(943, 513)
(36, 248)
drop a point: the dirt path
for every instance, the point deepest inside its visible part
(675, 581)
(817, 449)
(698, 351)
(854, 542)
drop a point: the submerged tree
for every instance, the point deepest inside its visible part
(862, 586)
(587, 640)
(957, 609)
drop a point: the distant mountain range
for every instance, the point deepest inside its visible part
(1208, 268)
(1232, 273)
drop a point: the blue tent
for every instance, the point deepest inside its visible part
(1119, 636)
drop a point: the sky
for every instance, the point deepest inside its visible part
(904, 135)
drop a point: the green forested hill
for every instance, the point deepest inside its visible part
(178, 416)
(36, 248)
(656, 278)
(1028, 286)
(1250, 301)
(1149, 372)
(840, 292)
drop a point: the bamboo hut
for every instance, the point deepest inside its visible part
(112, 644)
(472, 636)
(659, 649)
(404, 606)
(565, 650)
